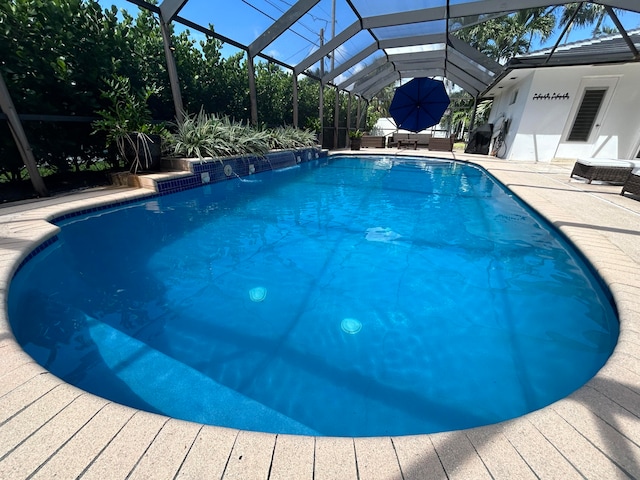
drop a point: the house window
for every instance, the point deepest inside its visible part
(587, 113)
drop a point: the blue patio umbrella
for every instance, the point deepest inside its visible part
(419, 104)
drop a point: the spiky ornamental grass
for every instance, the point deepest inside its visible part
(290, 137)
(193, 136)
(207, 135)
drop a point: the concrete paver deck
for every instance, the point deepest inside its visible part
(49, 429)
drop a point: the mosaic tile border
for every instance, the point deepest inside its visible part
(47, 243)
(99, 208)
(240, 166)
(213, 171)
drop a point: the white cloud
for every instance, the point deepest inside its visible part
(349, 73)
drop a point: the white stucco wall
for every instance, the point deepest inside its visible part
(514, 112)
(541, 124)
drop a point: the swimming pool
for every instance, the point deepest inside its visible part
(357, 297)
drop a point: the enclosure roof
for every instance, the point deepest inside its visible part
(363, 45)
(609, 49)
(602, 50)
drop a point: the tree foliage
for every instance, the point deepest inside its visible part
(53, 56)
(587, 15)
(504, 37)
(274, 88)
(58, 55)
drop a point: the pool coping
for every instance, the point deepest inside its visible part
(49, 428)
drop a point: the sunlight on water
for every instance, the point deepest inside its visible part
(345, 297)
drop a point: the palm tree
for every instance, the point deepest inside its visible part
(586, 15)
(504, 37)
(379, 105)
(501, 39)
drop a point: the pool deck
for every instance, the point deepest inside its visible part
(49, 429)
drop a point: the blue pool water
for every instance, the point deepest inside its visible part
(347, 297)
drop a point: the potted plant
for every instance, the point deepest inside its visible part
(128, 126)
(356, 139)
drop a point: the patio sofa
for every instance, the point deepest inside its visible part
(421, 139)
(604, 169)
(373, 141)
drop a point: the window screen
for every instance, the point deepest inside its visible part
(587, 113)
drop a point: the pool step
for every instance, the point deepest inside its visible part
(170, 387)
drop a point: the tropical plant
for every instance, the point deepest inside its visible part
(312, 124)
(207, 135)
(457, 117)
(299, 138)
(504, 37)
(482, 111)
(238, 138)
(379, 105)
(290, 137)
(53, 55)
(274, 88)
(56, 53)
(355, 134)
(127, 120)
(586, 14)
(192, 135)
(308, 101)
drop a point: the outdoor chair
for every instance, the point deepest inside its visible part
(632, 184)
(602, 169)
(442, 144)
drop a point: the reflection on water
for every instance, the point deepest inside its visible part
(227, 304)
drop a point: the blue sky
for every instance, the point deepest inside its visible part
(244, 20)
(248, 23)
